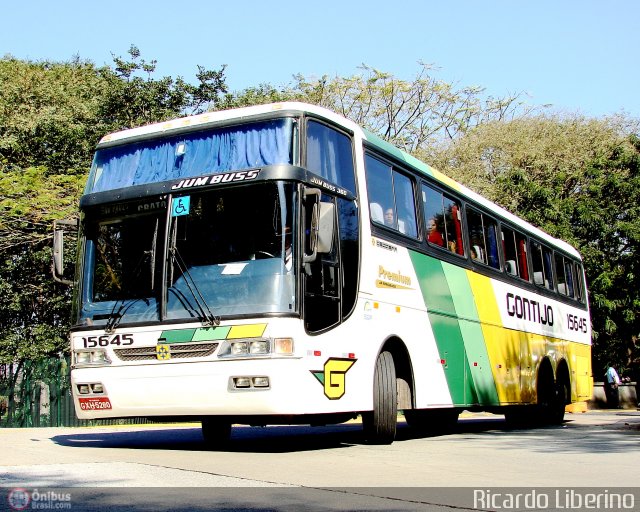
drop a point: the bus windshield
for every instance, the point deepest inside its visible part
(224, 252)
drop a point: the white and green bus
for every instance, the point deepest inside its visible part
(278, 264)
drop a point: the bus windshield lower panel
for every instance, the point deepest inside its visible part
(228, 253)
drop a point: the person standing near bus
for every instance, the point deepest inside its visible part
(611, 384)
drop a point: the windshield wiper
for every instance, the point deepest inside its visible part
(116, 316)
(207, 317)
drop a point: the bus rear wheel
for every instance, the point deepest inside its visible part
(560, 399)
(552, 397)
(380, 423)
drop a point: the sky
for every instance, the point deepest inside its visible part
(575, 55)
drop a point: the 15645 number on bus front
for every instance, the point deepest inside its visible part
(106, 340)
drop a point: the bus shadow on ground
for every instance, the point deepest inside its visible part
(568, 437)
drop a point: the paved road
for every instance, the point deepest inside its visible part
(593, 449)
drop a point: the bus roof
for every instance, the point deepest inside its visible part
(202, 121)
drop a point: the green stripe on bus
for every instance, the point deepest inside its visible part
(457, 330)
(177, 336)
(477, 357)
(211, 333)
(445, 325)
(399, 154)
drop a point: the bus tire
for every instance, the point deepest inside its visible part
(380, 424)
(216, 432)
(561, 396)
(548, 400)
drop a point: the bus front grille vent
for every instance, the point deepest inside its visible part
(177, 351)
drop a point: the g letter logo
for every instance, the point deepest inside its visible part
(333, 377)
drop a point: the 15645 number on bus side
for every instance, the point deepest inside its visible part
(575, 323)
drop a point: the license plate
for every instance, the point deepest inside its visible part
(95, 403)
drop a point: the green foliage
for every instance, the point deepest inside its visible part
(412, 114)
(48, 113)
(34, 311)
(51, 116)
(133, 100)
(258, 95)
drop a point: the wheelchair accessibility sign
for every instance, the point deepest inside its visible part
(180, 206)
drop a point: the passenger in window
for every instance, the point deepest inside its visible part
(434, 234)
(389, 218)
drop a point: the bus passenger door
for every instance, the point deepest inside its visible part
(321, 268)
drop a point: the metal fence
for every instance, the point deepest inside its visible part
(38, 394)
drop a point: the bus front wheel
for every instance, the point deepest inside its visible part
(380, 423)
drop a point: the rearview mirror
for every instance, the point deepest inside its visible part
(60, 227)
(319, 224)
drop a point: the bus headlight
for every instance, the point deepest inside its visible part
(239, 348)
(259, 347)
(91, 357)
(256, 347)
(83, 357)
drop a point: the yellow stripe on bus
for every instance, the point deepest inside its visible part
(246, 331)
(503, 345)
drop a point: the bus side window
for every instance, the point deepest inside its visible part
(565, 276)
(514, 248)
(433, 217)
(405, 204)
(568, 270)
(482, 238)
(443, 218)
(542, 269)
(391, 200)
(329, 155)
(380, 188)
(453, 226)
(579, 287)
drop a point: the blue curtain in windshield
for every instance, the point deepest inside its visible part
(196, 154)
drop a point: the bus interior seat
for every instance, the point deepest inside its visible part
(479, 254)
(376, 213)
(511, 267)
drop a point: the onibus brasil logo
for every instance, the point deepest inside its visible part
(20, 498)
(333, 376)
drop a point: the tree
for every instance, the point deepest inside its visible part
(579, 180)
(48, 114)
(415, 115)
(51, 116)
(133, 100)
